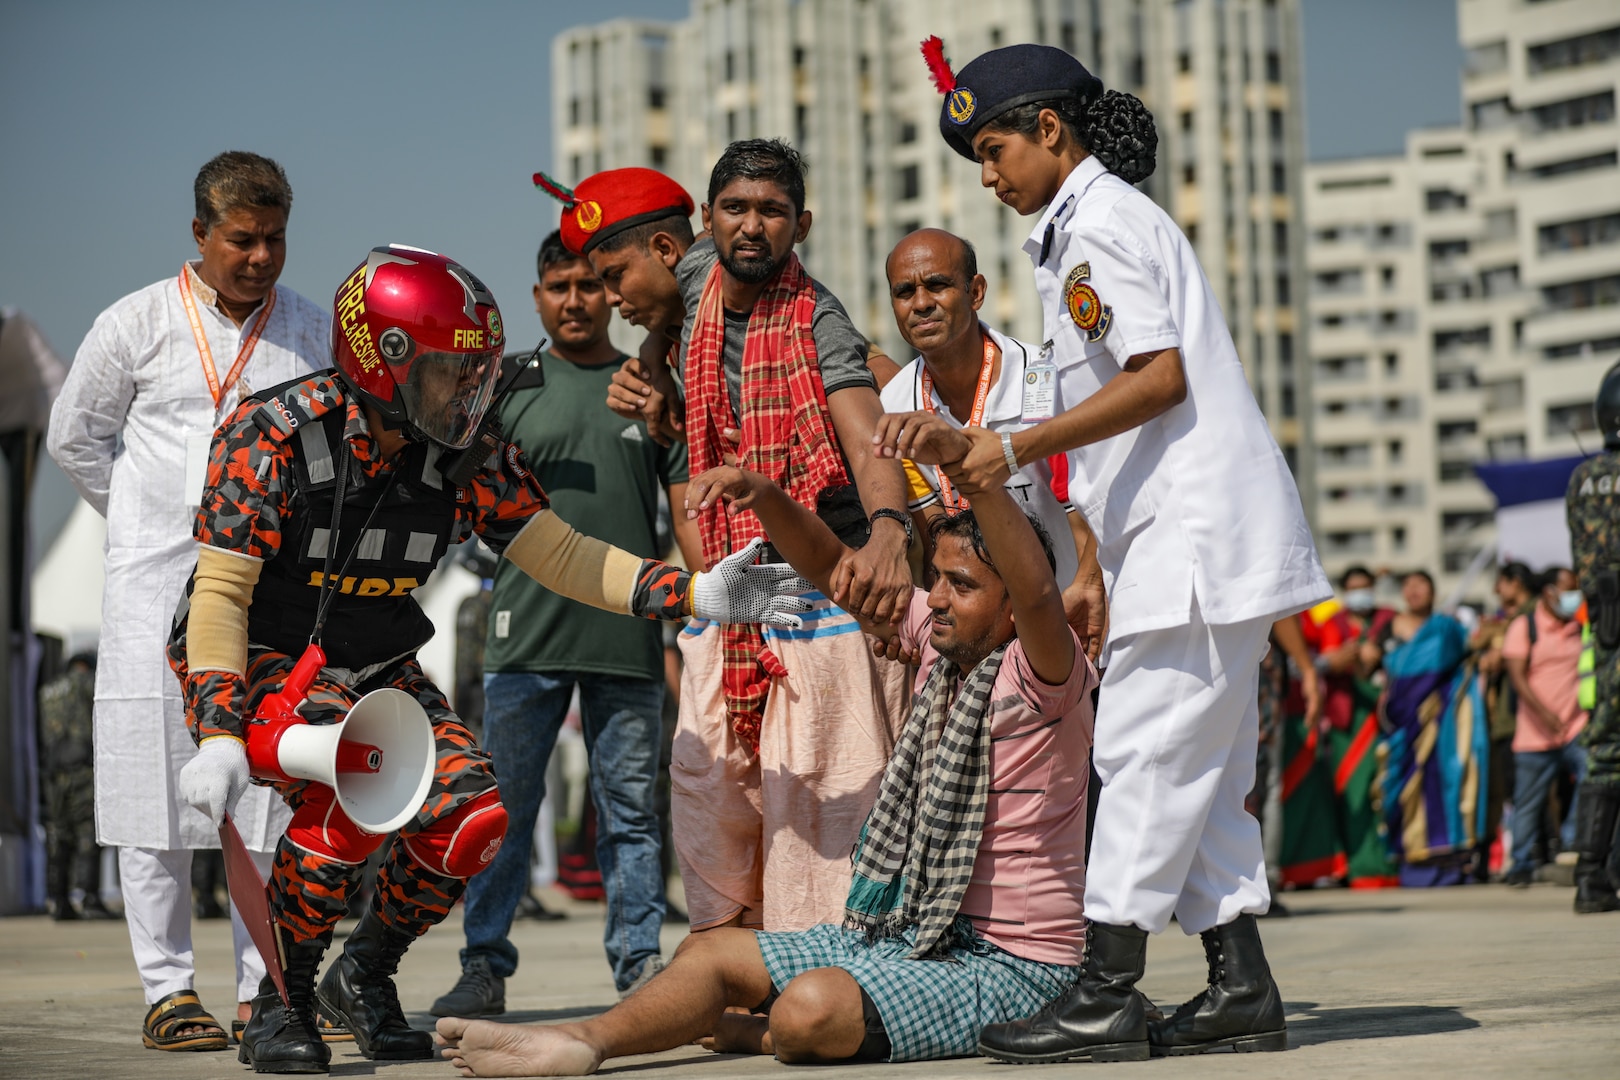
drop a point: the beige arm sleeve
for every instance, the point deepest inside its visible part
(217, 629)
(574, 565)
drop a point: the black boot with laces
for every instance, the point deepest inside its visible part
(358, 992)
(1101, 1018)
(1241, 1007)
(280, 1037)
(479, 992)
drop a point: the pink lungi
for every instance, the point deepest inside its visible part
(771, 835)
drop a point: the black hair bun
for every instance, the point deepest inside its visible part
(1121, 134)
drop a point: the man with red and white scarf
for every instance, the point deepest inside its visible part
(783, 738)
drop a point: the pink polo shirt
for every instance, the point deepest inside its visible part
(1029, 880)
(1553, 676)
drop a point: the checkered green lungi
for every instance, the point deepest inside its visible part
(930, 1008)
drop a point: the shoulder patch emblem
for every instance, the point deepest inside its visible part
(1086, 308)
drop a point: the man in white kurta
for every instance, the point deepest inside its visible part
(131, 429)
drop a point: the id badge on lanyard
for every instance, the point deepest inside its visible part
(1040, 390)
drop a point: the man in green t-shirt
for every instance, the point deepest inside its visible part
(602, 473)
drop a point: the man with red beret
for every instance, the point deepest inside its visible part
(782, 738)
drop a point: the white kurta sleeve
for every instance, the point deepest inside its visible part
(89, 414)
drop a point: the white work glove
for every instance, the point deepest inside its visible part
(737, 591)
(214, 779)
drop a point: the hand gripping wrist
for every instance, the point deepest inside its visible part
(737, 591)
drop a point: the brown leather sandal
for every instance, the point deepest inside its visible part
(169, 1015)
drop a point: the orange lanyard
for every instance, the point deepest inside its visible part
(207, 354)
(981, 393)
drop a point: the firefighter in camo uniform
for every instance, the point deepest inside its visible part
(1593, 508)
(417, 341)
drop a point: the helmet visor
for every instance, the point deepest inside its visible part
(447, 394)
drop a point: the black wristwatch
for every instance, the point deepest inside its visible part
(897, 515)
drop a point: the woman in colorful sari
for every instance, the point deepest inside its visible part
(1332, 827)
(1431, 785)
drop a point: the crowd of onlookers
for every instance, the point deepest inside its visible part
(1422, 746)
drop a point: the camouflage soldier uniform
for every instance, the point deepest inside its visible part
(73, 860)
(1593, 508)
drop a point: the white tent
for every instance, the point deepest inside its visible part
(67, 582)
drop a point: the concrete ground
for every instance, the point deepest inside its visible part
(1479, 982)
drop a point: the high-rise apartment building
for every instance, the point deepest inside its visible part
(844, 82)
(1465, 296)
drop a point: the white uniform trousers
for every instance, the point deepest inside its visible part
(157, 906)
(1177, 726)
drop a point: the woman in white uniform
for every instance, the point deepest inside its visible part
(1201, 537)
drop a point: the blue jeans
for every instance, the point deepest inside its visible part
(1534, 773)
(622, 722)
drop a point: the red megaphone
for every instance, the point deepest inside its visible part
(378, 759)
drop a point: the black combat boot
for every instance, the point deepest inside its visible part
(1101, 1018)
(281, 1038)
(1597, 808)
(358, 993)
(1240, 1008)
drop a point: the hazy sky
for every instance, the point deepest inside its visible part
(413, 123)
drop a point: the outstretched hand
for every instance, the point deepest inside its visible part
(738, 591)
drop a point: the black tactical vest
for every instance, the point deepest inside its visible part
(372, 616)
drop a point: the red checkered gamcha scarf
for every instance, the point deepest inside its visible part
(787, 436)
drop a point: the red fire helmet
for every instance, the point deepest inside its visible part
(421, 339)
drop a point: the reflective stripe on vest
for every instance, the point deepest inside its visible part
(1586, 669)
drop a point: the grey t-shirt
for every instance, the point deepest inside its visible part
(840, 354)
(840, 348)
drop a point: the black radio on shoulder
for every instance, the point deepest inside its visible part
(486, 443)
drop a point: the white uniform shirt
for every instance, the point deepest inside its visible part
(133, 417)
(1032, 485)
(1198, 502)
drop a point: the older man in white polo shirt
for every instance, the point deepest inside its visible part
(970, 374)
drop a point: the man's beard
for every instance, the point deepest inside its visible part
(752, 271)
(967, 654)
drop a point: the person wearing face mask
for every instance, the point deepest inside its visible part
(1542, 653)
(1330, 817)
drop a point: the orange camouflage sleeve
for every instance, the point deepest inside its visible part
(504, 497)
(243, 505)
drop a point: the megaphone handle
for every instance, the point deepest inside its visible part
(302, 677)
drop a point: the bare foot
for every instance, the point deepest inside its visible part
(483, 1048)
(739, 1033)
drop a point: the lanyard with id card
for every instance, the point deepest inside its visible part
(1040, 389)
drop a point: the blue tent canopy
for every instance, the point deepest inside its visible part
(1517, 482)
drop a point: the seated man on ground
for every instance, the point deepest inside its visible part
(963, 913)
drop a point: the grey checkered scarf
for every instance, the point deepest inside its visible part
(914, 859)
